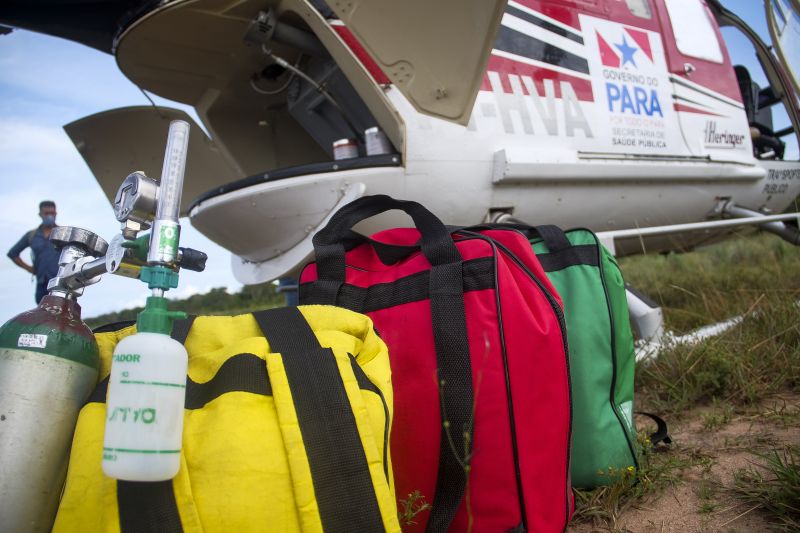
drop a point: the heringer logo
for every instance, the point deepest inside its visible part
(721, 138)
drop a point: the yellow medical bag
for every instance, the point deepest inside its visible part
(286, 429)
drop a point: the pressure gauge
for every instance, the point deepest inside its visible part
(136, 200)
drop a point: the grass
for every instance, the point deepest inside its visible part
(741, 367)
(774, 487)
(717, 282)
(411, 507)
(718, 417)
(757, 275)
(736, 374)
(659, 469)
(706, 491)
(782, 413)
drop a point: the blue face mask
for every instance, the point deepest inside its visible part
(49, 220)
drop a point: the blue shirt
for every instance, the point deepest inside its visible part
(45, 255)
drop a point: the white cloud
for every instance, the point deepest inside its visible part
(128, 304)
(28, 148)
(46, 68)
(185, 292)
(22, 139)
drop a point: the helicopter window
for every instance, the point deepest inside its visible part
(694, 34)
(640, 8)
(770, 123)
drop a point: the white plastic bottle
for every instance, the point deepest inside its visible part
(144, 408)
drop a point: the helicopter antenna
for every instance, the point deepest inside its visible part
(160, 114)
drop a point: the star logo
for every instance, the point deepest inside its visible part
(627, 52)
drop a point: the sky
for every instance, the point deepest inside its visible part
(47, 82)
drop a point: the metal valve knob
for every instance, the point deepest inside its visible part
(90, 243)
(77, 266)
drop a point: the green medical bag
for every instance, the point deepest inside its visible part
(601, 352)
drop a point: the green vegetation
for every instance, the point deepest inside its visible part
(758, 276)
(775, 488)
(215, 302)
(658, 470)
(717, 282)
(721, 414)
(706, 492)
(411, 507)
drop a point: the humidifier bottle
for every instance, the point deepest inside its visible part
(146, 395)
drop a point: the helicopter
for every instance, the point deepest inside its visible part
(623, 116)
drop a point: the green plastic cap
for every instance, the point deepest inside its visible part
(159, 277)
(156, 318)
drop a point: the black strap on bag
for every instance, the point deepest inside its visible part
(553, 237)
(661, 433)
(449, 331)
(181, 328)
(342, 483)
(150, 506)
(561, 253)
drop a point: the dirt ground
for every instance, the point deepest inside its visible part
(719, 442)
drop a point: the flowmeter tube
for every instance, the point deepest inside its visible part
(166, 230)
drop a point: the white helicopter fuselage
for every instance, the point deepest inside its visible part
(605, 137)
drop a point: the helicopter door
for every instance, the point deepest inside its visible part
(783, 17)
(117, 141)
(706, 92)
(435, 53)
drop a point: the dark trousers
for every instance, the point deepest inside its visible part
(41, 291)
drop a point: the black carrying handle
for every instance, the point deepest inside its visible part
(553, 236)
(329, 243)
(388, 254)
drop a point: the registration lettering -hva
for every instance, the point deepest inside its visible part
(546, 107)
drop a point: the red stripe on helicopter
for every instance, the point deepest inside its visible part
(350, 40)
(563, 14)
(504, 66)
(689, 109)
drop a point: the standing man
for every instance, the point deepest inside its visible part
(45, 255)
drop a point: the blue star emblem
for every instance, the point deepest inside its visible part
(627, 52)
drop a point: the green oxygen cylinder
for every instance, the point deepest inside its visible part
(48, 367)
